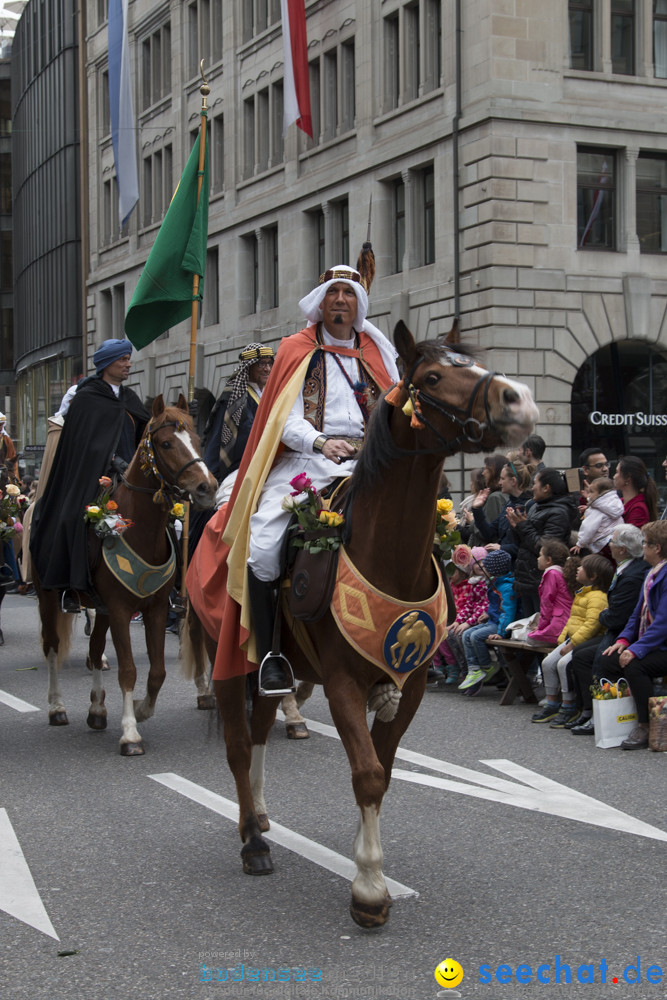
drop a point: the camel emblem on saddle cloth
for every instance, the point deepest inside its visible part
(413, 632)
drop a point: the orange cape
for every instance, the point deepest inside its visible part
(217, 578)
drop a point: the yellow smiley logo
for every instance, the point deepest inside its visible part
(449, 973)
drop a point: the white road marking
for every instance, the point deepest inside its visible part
(535, 792)
(278, 834)
(18, 894)
(17, 703)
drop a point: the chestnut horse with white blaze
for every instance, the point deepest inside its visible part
(167, 464)
(445, 404)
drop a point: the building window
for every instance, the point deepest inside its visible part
(156, 66)
(258, 15)
(412, 57)
(5, 184)
(7, 340)
(157, 186)
(105, 112)
(332, 92)
(596, 199)
(623, 36)
(399, 224)
(261, 282)
(263, 130)
(112, 313)
(660, 38)
(210, 310)
(5, 108)
(427, 197)
(581, 34)
(217, 151)
(391, 62)
(652, 202)
(102, 11)
(204, 34)
(6, 261)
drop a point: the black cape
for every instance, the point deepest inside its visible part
(97, 426)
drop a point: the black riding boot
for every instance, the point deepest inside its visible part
(275, 673)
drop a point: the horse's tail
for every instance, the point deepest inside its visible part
(193, 651)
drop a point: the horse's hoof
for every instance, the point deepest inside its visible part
(263, 821)
(256, 857)
(367, 915)
(131, 750)
(296, 731)
(206, 702)
(97, 722)
(58, 719)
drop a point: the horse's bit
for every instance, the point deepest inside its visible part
(149, 465)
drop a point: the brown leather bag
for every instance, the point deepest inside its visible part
(312, 579)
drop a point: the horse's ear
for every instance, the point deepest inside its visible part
(182, 403)
(405, 344)
(158, 405)
(453, 337)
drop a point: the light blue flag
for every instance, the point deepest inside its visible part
(122, 111)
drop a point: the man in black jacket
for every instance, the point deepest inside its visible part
(587, 660)
(102, 430)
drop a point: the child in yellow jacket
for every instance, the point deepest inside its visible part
(594, 577)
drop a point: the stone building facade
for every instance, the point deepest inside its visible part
(515, 154)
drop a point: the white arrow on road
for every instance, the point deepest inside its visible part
(18, 893)
(529, 790)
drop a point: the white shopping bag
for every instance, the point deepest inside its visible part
(614, 718)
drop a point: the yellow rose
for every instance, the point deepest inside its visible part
(178, 510)
(444, 506)
(92, 509)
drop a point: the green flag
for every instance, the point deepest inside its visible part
(163, 296)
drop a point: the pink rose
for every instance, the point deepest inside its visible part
(462, 556)
(18, 527)
(300, 484)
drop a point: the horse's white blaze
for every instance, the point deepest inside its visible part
(369, 885)
(186, 441)
(129, 722)
(519, 417)
(257, 777)
(55, 694)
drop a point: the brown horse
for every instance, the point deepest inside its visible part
(169, 460)
(457, 406)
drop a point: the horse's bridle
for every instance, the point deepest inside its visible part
(148, 459)
(472, 430)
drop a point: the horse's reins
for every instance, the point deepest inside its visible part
(149, 465)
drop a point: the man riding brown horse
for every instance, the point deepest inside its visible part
(102, 430)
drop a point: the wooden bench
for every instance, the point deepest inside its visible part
(519, 655)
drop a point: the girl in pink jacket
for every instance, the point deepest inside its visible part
(557, 588)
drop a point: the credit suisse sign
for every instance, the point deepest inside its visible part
(632, 420)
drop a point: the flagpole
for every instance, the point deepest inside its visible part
(204, 90)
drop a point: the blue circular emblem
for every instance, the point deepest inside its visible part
(408, 641)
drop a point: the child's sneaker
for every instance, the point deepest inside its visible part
(492, 671)
(453, 675)
(472, 677)
(548, 713)
(566, 713)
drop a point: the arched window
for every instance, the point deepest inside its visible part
(619, 404)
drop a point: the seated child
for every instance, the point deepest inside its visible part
(469, 592)
(603, 513)
(557, 587)
(594, 577)
(497, 568)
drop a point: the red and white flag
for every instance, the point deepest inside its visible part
(296, 85)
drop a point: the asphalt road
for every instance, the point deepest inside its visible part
(538, 855)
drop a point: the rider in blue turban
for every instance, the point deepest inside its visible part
(102, 429)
